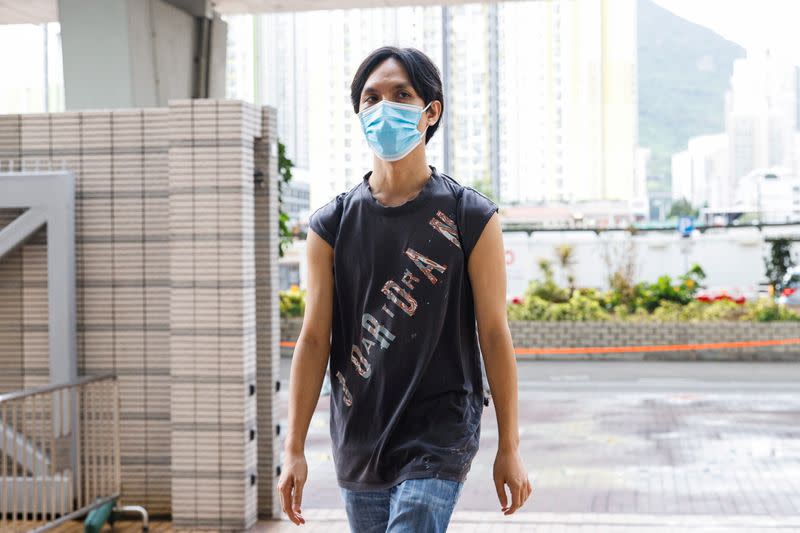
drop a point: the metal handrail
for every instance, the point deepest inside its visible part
(74, 515)
(54, 387)
(62, 443)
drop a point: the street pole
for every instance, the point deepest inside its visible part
(446, 82)
(494, 101)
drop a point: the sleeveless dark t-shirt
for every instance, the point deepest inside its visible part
(406, 386)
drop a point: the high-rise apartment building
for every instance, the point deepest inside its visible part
(700, 173)
(760, 115)
(598, 98)
(761, 133)
(540, 97)
(531, 150)
(33, 78)
(568, 101)
(304, 65)
(468, 92)
(281, 48)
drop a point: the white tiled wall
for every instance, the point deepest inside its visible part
(176, 253)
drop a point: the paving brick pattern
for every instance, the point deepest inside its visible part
(660, 455)
(334, 520)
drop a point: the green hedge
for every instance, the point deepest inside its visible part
(292, 302)
(665, 300)
(583, 308)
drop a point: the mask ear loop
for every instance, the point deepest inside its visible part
(421, 114)
(425, 109)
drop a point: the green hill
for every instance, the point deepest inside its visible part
(684, 70)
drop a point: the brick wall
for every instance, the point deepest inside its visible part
(172, 237)
(212, 312)
(532, 334)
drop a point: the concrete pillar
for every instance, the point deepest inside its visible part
(176, 240)
(267, 312)
(140, 53)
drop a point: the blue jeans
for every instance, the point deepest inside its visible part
(412, 506)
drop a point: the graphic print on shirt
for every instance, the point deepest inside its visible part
(401, 296)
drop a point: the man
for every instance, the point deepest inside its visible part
(400, 267)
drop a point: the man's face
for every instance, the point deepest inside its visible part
(389, 81)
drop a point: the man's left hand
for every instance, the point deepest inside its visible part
(509, 470)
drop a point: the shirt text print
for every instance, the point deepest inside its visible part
(399, 294)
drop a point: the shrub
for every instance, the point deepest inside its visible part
(532, 307)
(767, 310)
(578, 308)
(718, 310)
(547, 289)
(651, 295)
(695, 311)
(665, 300)
(763, 310)
(292, 302)
(622, 312)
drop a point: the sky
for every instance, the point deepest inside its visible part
(751, 23)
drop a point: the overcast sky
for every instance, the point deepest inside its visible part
(751, 23)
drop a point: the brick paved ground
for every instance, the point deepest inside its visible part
(333, 520)
(646, 450)
(616, 447)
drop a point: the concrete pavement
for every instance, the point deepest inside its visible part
(334, 520)
(636, 445)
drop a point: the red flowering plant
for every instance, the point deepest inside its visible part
(721, 296)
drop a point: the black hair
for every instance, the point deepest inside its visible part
(422, 73)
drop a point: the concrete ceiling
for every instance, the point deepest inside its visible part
(264, 6)
(38, 11)
(28, 11)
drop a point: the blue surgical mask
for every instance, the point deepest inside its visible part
(391, 128)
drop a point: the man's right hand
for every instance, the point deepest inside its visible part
(294, 473)
(309, 360)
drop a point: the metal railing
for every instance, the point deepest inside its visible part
(60, 452)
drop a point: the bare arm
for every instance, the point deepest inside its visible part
(309, 362)
(313, 345)
(487, 272)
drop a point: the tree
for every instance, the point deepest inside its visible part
(778, 262)
(484, 187)
(621, 265)
(682, 208)
(286, 236)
